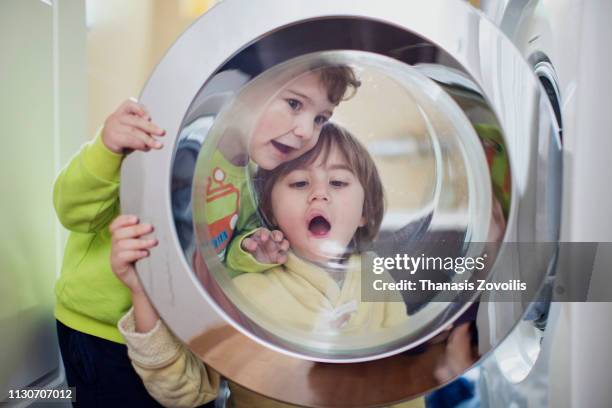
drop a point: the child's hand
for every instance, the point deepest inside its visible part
(127, 247)
(130, 128)
(267, 246)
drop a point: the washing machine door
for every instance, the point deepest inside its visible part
(468, 156)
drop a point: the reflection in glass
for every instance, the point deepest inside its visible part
(425, 152)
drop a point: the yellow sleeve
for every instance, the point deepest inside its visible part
(184, 382)
(172, 374)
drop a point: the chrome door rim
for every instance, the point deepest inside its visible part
(474, 42)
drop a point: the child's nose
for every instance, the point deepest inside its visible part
(319, 192)
(304, 127)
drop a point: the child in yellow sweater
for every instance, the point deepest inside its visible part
(319, 202)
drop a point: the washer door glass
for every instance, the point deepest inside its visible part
(300, 195)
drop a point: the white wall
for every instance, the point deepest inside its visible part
(118, 47)
(43, 116)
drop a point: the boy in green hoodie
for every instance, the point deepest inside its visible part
(89, 297)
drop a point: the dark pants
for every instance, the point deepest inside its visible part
(101, 371)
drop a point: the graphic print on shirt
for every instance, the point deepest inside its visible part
(223, 201)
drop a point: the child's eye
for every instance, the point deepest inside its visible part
(338, 183)
(294, 104)
(320, 120)
(298, 184)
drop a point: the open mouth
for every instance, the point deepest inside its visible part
(283, 148)
(319, 226)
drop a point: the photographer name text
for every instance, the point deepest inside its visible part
(428, 285)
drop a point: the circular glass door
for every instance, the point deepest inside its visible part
(313, 154)
(394, 152)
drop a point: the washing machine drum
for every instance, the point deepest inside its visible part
(336, 181)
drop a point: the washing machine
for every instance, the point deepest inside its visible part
(470, 119)
(563, 41)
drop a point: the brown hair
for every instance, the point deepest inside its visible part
(337, 79)
(357, 158)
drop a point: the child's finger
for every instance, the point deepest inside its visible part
(131, 105)
(284, 246)
(132, 256)
(121, 221)
(277, 235)
(137, 139)
(264, 234)
(270, 247)
(136, 244)
(249, 245)
(142, 124)
(132, 232)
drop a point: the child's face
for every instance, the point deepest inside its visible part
(319, 208)
(291, 123)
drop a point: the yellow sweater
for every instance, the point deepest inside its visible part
(302, 295)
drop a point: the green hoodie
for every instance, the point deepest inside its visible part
(90, 298)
